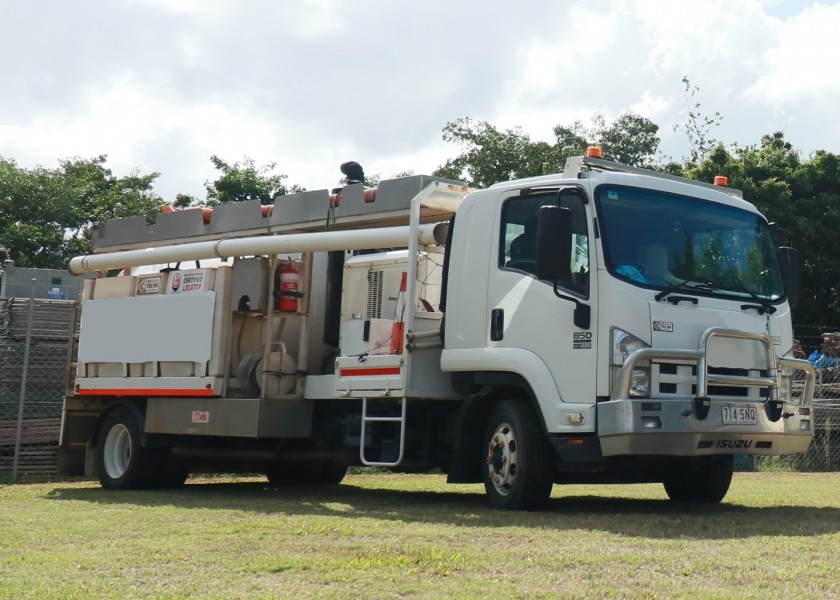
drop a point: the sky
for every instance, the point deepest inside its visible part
(161, 85)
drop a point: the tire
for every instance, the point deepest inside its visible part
(121, 463)
(164, 471)
(321, 472)
(518, 469)
(708, 482)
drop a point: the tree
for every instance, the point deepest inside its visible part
(46, 215)
(246, 181)
(802, 198)
(697, 126)
(186, 201)
(630, 140)
(489, 155)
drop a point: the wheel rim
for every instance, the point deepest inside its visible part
(502, 459)
(117, 451)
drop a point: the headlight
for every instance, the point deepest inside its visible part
(640, 383)
(623, 345)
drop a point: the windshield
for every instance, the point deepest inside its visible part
(659, 240)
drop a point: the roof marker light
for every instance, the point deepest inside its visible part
(594, 152)
(722, 180)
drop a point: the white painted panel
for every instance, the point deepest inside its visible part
(146, 329)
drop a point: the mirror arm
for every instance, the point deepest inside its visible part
(583, 313)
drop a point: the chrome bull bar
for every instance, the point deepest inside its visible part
(621, 385)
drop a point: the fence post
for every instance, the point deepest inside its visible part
(23, 376)
(820, 383)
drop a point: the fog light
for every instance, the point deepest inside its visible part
(651, 423)
(574, 418)
(804, 425)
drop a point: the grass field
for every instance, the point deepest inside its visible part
(380, 536)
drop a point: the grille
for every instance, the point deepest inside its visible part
(672, 379)
(374, 299)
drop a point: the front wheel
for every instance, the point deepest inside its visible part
(518, 469)
(707, 482)
(120, 460)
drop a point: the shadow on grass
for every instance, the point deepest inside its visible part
(655, 519)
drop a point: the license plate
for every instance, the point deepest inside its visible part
(739, 415)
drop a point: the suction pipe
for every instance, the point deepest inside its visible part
(351, 239)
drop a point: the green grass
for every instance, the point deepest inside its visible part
(380, 536)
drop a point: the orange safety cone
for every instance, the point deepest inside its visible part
(398, 329)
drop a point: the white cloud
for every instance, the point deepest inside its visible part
(804, 61)
(160, 85)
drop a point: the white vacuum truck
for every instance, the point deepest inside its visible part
(605, 324)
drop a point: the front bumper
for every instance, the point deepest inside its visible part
(694, 426)
(671, 427)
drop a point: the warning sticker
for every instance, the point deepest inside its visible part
(201, 417)
(663, 326)
(149, 285)
(184, 282)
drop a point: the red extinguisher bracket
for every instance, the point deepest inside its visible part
(286, 288)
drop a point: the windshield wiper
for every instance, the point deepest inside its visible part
(763, 305)
(670, 291)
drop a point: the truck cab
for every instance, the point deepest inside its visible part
(642, 321)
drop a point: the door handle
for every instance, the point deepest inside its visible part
(497, 324)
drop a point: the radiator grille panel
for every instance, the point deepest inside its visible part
(374, 299)
(670, 379)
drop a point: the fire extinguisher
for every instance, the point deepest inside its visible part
(286, 288)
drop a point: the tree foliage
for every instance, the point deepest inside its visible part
(245, 181)
(697, 126)
(802, 198)
(46, 215)
(489, 155)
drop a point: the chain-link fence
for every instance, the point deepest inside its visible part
(820, 345)
(35, 339)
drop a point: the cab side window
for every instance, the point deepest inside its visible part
(579, 282)
(518, 243)
(517, 246)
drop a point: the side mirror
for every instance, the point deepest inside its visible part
(791, 265)
(554, 243)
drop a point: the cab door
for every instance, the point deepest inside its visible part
(530, 329)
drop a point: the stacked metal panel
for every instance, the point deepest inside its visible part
(43, 389)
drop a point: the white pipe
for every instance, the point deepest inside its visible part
(422, 335)
(322, 241)
(412, 346)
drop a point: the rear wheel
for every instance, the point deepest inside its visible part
(518, 471)
(707, 482)
(120, 461)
